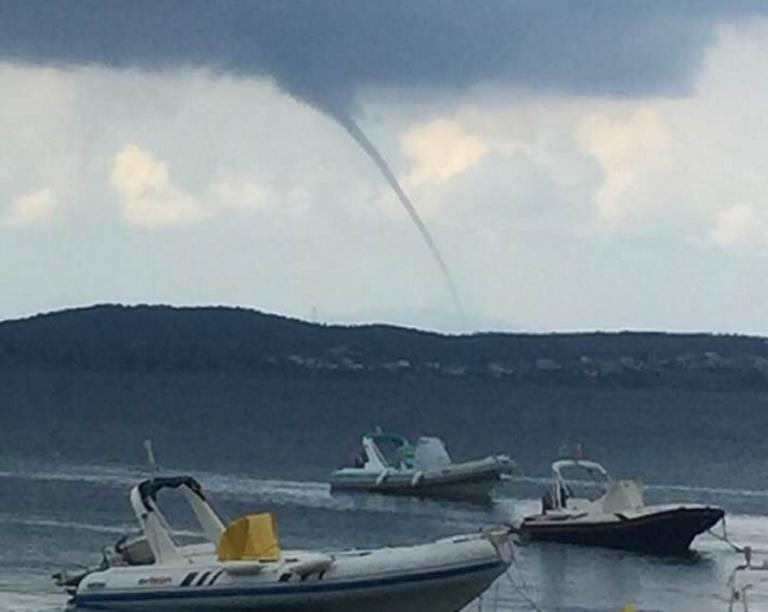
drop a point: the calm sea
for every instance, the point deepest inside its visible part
(64, 479)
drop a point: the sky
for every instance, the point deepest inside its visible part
(579, 165)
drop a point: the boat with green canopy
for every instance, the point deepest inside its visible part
(390, 463)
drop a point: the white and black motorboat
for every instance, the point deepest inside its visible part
(616, 517)
(242, 567)
(391, 464)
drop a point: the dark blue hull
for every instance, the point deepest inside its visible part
(667, 532)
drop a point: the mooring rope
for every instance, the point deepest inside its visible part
(522, 588)
(744, 550)
(737, 595)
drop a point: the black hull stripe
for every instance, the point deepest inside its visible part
(295, 588)
(202, 578)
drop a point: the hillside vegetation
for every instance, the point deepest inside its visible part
(168, 339)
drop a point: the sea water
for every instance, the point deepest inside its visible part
(71, 448)
(56, 514)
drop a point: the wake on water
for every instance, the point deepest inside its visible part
(318, 495)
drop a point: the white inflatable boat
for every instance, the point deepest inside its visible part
(241, 567)
(391, 464)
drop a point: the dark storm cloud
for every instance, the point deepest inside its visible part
(324, 51)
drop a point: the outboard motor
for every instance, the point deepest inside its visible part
(134, 551)
(71, 579)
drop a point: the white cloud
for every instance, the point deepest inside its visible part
(242, 194)
(38, 148)
(149, 197)
(626, 148)
(36, 208)
(440, 149)
(740, 226)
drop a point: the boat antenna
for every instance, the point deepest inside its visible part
(153, 469)
(569, 450)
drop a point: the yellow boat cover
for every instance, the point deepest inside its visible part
(252, 537)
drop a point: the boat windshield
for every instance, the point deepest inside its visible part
(396, 450)
(583, 481)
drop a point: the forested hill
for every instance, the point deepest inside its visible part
(163, 338)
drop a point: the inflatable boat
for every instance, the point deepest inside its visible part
(242, 567)
(391, 464)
